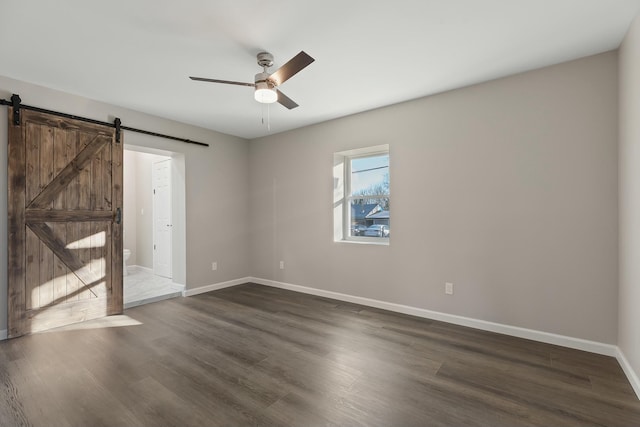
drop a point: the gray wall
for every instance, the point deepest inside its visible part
(508, 189)
(216, 180)
(629, 303)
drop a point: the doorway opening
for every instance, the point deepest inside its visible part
(153, 223)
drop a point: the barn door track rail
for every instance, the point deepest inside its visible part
(17, 105)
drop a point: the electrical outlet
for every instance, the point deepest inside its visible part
(281, 265)
(214, 266)
(448, 288)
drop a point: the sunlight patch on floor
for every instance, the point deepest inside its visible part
(115, 321)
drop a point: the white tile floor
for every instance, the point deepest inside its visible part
(143, 287)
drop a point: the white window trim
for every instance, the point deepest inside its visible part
(343, 197)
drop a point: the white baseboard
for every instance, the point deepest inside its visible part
(629, 372)
(546, 337)
(215, 286)
(3, 334)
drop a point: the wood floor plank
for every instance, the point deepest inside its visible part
(12, 412)
(257, 355)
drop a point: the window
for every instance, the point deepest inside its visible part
(363, 202)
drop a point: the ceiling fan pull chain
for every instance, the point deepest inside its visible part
(268, 116)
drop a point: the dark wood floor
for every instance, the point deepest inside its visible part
(254, 355)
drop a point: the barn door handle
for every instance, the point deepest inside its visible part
(118, 216)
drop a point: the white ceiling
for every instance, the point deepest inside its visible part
(139, 54)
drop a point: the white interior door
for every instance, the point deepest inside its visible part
(162, 224)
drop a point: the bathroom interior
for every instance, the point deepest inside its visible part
(146, 279)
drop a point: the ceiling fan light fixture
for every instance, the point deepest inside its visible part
(265, 93)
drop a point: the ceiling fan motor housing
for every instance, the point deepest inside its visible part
(262, 80)
(265, 89)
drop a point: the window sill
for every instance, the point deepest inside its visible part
(365, 242)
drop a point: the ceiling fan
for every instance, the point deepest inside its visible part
(266, 85)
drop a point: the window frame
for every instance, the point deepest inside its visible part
(346, 158)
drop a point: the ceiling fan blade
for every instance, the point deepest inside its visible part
(229, 82)
(286, 101)
(291, 68)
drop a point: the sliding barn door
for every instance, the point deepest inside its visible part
(65, 230)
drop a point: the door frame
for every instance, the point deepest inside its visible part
(141, 144)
